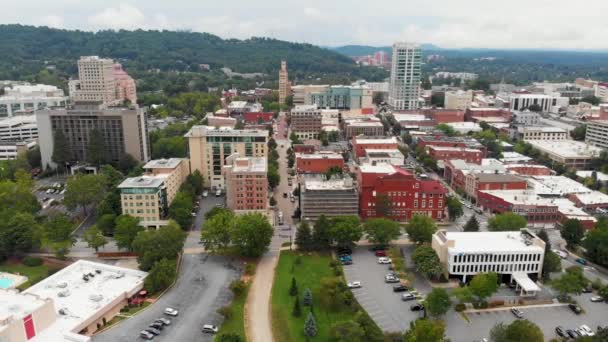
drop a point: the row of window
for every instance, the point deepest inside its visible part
(469, 258)
(498, 268)
(138, 211)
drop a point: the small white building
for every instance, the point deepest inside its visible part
(386, 156)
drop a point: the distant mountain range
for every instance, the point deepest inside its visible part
(364, 50)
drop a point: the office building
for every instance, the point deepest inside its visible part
(102, 81)
(522, 101)
(306, 121)
(125, 131)
(246, 183)
(301, 92)
(65, 307)
(209, 148)
(363, 143)
(331, 198)
(404, 89)
(442, 153)
(527, 133)
(284, 86)
(474, 182)
(341, 97)
(571, 153)
(10, 150)
(459, 99)
(388, 156)
(18, 128)
(25, 99)
(174, 170)
(515, 256)
(597, 134)
(526, 118)
(390, 191)
(319, 162)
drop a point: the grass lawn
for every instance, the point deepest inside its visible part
(236, 323)
(34, 274)
(313, 268)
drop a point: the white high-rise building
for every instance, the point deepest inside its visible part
(96, 80)
(404, 89)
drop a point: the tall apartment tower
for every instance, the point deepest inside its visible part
(102, 81)
(404, 88)
(283, 82)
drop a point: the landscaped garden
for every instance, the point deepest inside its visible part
(35, 272)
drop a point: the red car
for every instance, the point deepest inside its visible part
(380, 253)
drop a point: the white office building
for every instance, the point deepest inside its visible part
(404, 87)
(18, 128)
(513, 255)
(24, 99)
(597, 134)
(520, 101)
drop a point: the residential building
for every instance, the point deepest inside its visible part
(284, 85)
(388, 156)
(246, 183)
(459, 99)
(331, 198)
(443, 153)
(404, 89)
(25, 99)
(597, 134)
(145, 197)
(67, 307)
(174, 170)
(527, 133)
(102, 81)
(371, 127)
(18, 128)
(474, 182)
(341, 97)
(363, 143)
(515, 256)
(306, 121)
(571, 153)
(209, 148)
(10, 150)
(391, 191)
(125, 131)
(318, 162)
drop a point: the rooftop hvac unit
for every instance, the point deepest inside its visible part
(62, 285)
(64, 293)
(96, 297)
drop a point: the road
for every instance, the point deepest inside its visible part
(258, 301)
(202, 287)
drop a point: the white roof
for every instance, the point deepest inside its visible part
(83, 300)
(556, 185)
(567, 148)
(525, 282)
(543, 129)
(591, 198)
(571, 211)
(600, 176)
(319, 155)
(393, 153)
(496, 242)
(362, 123)
(410, 117)
(377, 168)
(370, 140)
(170, 163)
(250, 164)
(449, 148)
(316, 182)
(17, 305)
(514, 157)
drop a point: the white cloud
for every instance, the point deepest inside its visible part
(52, 20)
(124, 16)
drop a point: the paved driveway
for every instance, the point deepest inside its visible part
(383, 305)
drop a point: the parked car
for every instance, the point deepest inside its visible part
(596, 299)
(581, 261)
(171, 312)
(157, 326)
(417, 307)
(384, 260)
(587, 289)
(572, 334)
(284, 195)
(205, 193)
(560, 331)
(218, 193)
(345, 250)
(407, 297)
(518, 313)
(575, 308)
(344, 257)
(346, 262)
(153, 331)
(400, 288)
(389, 278)
(354, 285)
(380, 253)
(586, 330)
(146, 335)
(292, 199)
(163, 320)
(210, 329)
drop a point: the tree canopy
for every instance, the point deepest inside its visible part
(421, 229)
(437, 302)
(381, 231)
(154, 245)
(519, 330)
(573, 232)
(507, 222)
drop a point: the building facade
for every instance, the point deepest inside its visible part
(597, 134)
(474, 182)
(174, 170)
(10, 150)
(209, 148)
(371, 127)
(571, 153)
(306, 121)
(527, 133)
(145, 198)
(331, 198)
(341, 97)
(18, 128)
(404, 88)
(318, 162)
(470, 155)
(363, 143)
(284, 86)
(246, 183)
(25, 99)
(388, 156)
(459, 99)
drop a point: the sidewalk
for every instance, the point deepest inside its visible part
(259, 327)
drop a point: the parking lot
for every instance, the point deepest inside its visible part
(383, 305)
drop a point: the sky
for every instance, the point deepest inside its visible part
(509, 24)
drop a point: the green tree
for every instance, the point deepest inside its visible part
(310, 326)
(307, 297)
(425, 330)
(273, 176)
(112, 176)
(126, 229)
(293, 290)
(551, 264)
(294, 138)
(447, 129)
(346, 230)
(94, 238)
(483, 285)
(321, 234)
(297, 309)
(106, 224)
(596, 244)
(97, 151)
(572, 282)
(378, 98)
(507, 222)
(304, 237)
(579, 132)
(427, 262)
(472, 225)
(229, 337)
(519, 330)
(154, 245)
(17, 197)
(215, 234)
(18, 233)
(84, 191)
(161, 276)
(347, 331)
(62, 152)
(371, 331)
(421, 229)
(251, 234)
(57, 235)
(437, 302)
(126, 163)
(384, 206)
(381, 231)
(181, 209)
(573, 232)
(34, 157)
(454, 208)
(463, 294)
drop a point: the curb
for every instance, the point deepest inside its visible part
(514, 306)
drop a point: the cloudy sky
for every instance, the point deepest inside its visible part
(447, 23)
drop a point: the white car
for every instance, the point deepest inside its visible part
(588, 331)
(218, 193)
(209, 328)
(596, 299)
(354, 285)
(384, 260)
(205, 193)
(171, 312)
(408, 296)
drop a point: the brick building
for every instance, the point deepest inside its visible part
(474, 182)
(362, 143)
(447, 153)
(318, 162)
(488, 114)
(246, 183)
(306, 121)
(445, 141)
(405, 194)
(529, 169)
(304, 148)
(369, 127)
(258, 117)
(455, 170)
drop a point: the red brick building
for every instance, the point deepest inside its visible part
(257, 117)
(362, 143)
(438, 116)
(445, 141)
(318, 162)
(492, 114)
(474, 182)
(407, 196)
(529, 169)
(303, 148)
(447, 153)
(590, 201)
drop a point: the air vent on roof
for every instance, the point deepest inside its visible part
(62, 285)
(96, 297)
(64, 293)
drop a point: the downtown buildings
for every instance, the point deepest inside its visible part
(404, 91)
(246, 183)
(24, 99)
(333, 197)
(597, 134)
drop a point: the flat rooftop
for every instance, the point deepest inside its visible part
(170, 163)
(210, 131)
(375, 140)
(600, 176)
(497, 178)
(316, 182)
(319, 155)
(143, 182)
(543, 129)
(491, 242)
(383, 153)
(591, 198)
(453, 149)
(410, 117)
(567, 148)
(81, 300)
(364, 124)
(383, 168)
(514, 157)
(17, 305)
(250, 164)
(556, 185)
(521, 197)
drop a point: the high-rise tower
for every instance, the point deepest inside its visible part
(404, 91)
(283, 82)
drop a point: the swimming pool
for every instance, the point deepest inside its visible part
(6, 283)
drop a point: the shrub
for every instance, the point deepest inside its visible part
(238, 287)
(337, 272)
(333, 264)
(32, 261)
(250, 269)
(496, 303)
(229, 337)
(225, 311)
(460, 307)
